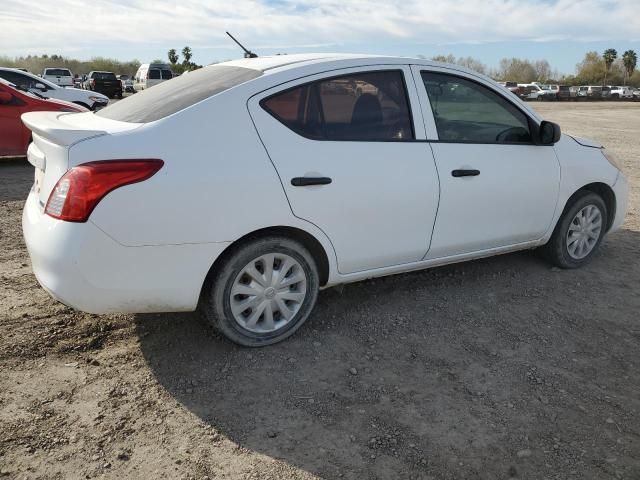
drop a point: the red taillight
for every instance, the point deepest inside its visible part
(80, 189)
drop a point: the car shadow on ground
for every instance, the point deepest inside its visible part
(489, 369)
(17, 177)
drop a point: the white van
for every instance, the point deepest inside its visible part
(150, 74)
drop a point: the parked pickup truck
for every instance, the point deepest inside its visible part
(105, 83)
(59, 76)
(621, 92)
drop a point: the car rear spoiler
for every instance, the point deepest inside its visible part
(51, 126)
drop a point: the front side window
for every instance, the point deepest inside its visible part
(368, 106)
(466, 111)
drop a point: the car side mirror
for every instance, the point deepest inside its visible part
(5, 98)
(549, 133)
(40, 86)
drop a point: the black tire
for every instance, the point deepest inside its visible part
(556, 250)
(215, 302)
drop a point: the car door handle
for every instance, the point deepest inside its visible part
(465, 173)
(306, 181)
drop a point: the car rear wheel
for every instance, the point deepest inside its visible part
(579, 232)
(262, 293)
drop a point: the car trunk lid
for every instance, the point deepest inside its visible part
(54, 133)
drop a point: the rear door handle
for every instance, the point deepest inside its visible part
(306, 181)
(465, 173)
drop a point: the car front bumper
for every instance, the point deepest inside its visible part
(84, 268)
(621, 190)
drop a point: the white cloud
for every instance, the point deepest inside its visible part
(66, 26)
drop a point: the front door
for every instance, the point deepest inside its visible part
(12, 131)
(344, 147)
(497, 187)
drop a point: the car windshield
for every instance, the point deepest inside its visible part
(58, 72)
(177, 94)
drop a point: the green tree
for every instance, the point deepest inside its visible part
(609, 56)
(173, 56)
(589, 70)
(467, 62)
(517, 70)
(629, 60)
(186, 54)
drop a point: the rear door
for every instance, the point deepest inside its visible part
(344, 146)
(497, 187)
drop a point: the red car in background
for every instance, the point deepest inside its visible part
(14, 136)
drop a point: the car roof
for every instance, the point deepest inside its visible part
(31, 75)
(281, 63)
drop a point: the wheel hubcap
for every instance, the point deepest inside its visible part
(584, 232)
(268, 293)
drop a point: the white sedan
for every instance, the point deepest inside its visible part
(45, 88)
(243, 188)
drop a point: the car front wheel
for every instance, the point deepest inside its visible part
(579, 232)
(262, 293)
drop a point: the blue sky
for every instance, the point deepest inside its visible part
(560, 31)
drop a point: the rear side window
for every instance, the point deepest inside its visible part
(166, 74)
(178, 93)
(154, 74)
(368, 106)
(467, 112)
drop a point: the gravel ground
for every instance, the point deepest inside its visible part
(494, 369)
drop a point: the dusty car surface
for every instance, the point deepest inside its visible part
(244, 187)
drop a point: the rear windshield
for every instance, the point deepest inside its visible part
(596, 89)
(563, 87)
(58, 72)
(104, 76)
(177, 94)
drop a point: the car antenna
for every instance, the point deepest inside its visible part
(247, 53)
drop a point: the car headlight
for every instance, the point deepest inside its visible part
(611, 158)
(99, 99)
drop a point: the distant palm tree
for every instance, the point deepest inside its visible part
(609, 57)
(629, 60)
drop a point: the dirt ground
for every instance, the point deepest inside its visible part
(494, 369)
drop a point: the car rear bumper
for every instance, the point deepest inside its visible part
(84, 268)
